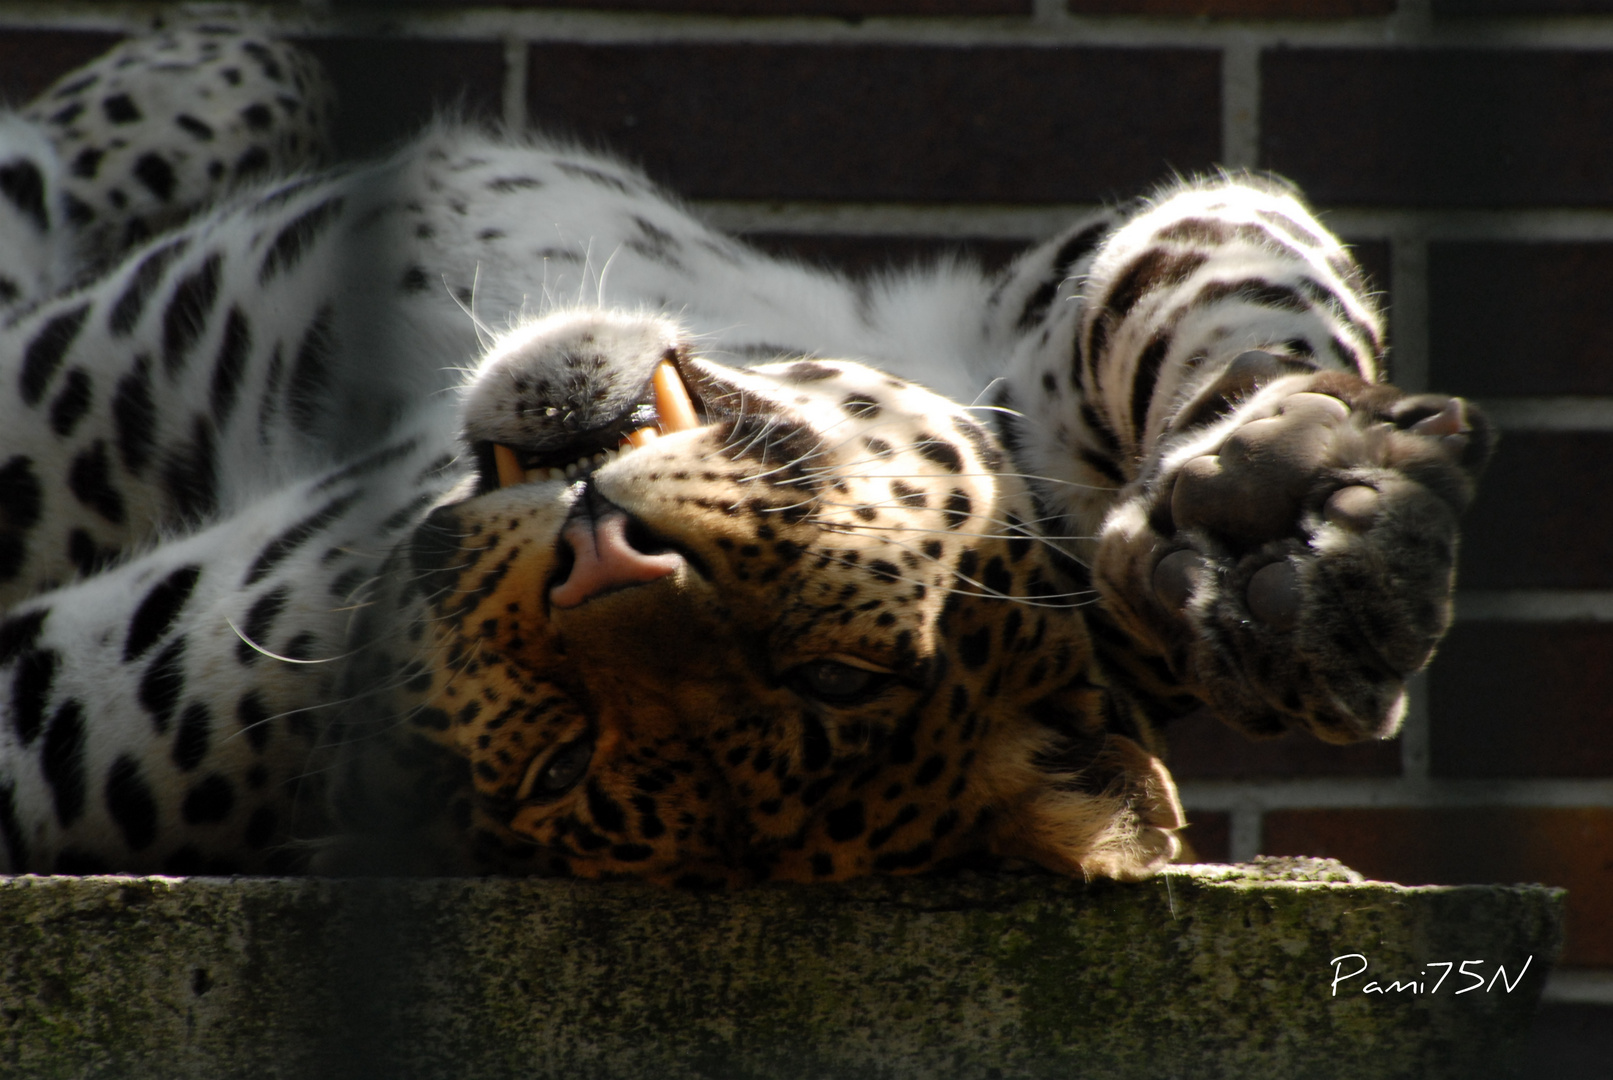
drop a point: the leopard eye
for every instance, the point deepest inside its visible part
(837, 683)
(559, 774)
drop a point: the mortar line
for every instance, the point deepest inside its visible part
(515, 61)
(1033, 221)
(1347, 793)
(1524, 224)
(1049, 12)
(1534, 605)
(1413, 20)
(1575, 33)
(1408, 311)
(1415, 733)
(1240, 104)
(1582, 986)
(1550, 413)
(1244, 832)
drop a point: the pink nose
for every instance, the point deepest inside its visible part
(606, 560)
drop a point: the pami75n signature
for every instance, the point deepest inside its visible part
(1470, 969)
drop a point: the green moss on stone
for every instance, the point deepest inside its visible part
(1212, 972)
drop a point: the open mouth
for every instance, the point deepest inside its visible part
(666, 409)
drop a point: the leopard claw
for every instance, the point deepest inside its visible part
(1353, 507)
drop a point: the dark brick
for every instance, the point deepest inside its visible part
(387, 88)
(1203, 748)
(1515, 318)
(1523, 699)
(1570, 1041)
(1541, 519)
(867, 255)
(1376, 258)
(1237, 9)
(851, 9)
(1522, 7)
(30, 60)
(1209, 836)
(1441, 127)
(1572, 848)
(876, 122)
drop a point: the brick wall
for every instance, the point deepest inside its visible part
(1465, 146)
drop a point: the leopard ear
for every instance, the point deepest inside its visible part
(1115, 817)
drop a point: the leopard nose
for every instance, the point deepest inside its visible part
(605, 558)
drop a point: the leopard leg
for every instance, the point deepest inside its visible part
(164, 124)
(1294, 563)
(1272, 531)
(36, 243)
(173, 713)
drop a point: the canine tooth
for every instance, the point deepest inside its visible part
(672, 402)
(641, 436)
(509, 469)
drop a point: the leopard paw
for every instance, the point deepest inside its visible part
(1120, 819)
(1293, 562)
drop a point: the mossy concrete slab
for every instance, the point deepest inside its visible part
(1210, 972)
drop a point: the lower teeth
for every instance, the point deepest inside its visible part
(577, 469)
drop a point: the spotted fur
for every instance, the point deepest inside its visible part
(288, 583)
(161, 126)
(36, 251)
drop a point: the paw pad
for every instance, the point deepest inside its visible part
(1251, 489)
(1174, 577)
(1273, 595)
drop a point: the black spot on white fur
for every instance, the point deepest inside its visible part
(23, 185)
(185, 318)
(43, 355)
(194, 736)
(163, 683)
(90, 481)
(131, 303)
(131, 804)
(61, 759)
(159, 609)
(134, 417)
(120, 109)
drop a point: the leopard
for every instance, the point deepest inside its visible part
(135, 142)
(480, 510)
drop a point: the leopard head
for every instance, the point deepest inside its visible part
(707, 626)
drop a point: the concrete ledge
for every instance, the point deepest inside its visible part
(1212, 972)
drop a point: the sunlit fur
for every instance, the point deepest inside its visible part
(271, 583)
(828, 511)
